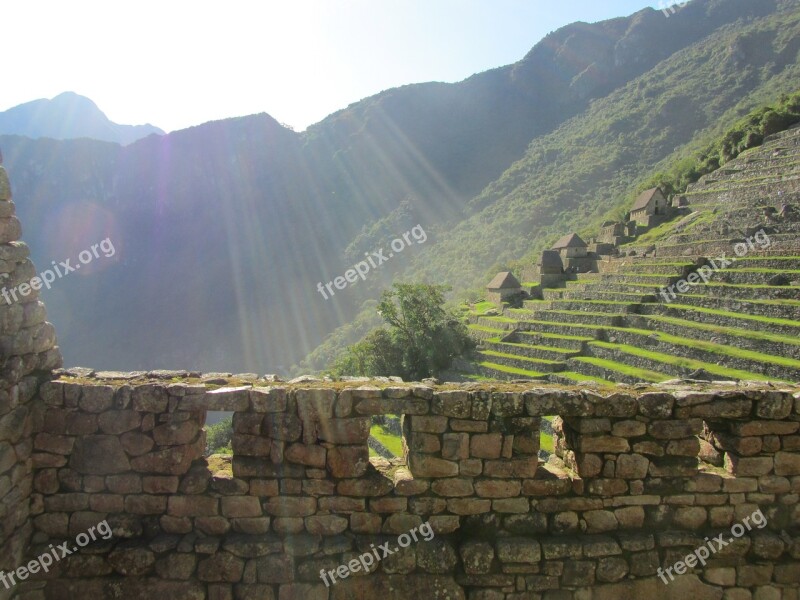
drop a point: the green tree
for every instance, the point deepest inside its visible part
(219, 436)
(420, 340)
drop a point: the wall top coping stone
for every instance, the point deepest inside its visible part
(249, 392)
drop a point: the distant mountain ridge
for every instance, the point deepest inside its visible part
(224, 230)
(69, 116)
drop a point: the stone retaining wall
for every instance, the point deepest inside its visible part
(624, 496)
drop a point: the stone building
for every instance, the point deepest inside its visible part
(571, 246)
(649, 204)
(503, 286)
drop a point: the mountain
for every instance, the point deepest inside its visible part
(69, 116)
(224, 230)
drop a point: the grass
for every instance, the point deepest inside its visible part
(532, 347)
(487, 329)
(732, 331)
(686, 363)
(511, 370)
(392, 442)
(643, 374)
(482, 307)
(724, 350)
(577, 377)
(736, 315)
(534, 361)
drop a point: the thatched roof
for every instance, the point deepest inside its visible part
(504, 280)
(551, 260)
(645, 197)
(573, 240)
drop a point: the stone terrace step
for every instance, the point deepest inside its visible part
(559, 328)
(578, 317)
(665, 363)
(725, 319)
(521, 362)
(589, 292)
(533, 338)
(504, 373)
(734, 357)
(541, 352)
(614, 371)
(749, 339)
(787, 309)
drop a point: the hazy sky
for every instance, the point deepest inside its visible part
(176, 63)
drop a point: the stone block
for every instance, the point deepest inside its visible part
(602, 444)
(514, 468)
(149, 398)
(288, 506)
(268, 400)
(345, 431)
(348, 461)
(492, 488)
(455, 446)
(99, 455)
(241, 506)
(115, 422)
(282, 426)
(309, 455)
(424, 442)
(519, 550)
(96, 398)
(422, 465)
(428, 424)
(787, 463)
(468, 506)
(453, 487)
(222, 566)
(487, 445)
(175, 434)
(477, 557)
(456, 403)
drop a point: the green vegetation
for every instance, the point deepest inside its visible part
(643, 374)
(421, 340)
(747, 133)
(391, 441)
(219, 436)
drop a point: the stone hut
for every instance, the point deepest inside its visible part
(550, 269)
(651, 203)
(503, 286)
(611, 229)
(571, 246)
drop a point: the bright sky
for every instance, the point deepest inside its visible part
(175, 63)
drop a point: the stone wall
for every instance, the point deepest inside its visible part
(27, 350)
(625, 495)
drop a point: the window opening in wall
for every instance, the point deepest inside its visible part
(385, 437)
(219, 432)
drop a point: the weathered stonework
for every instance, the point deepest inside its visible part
(624, 494)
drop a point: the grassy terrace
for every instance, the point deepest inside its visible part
(512, 370)
(476, 327)
(737, 315)
(578, 377)
(685, 363)
(732, 331)
(533, 361)
(778, 302)
(534, 347)
(610, 365)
